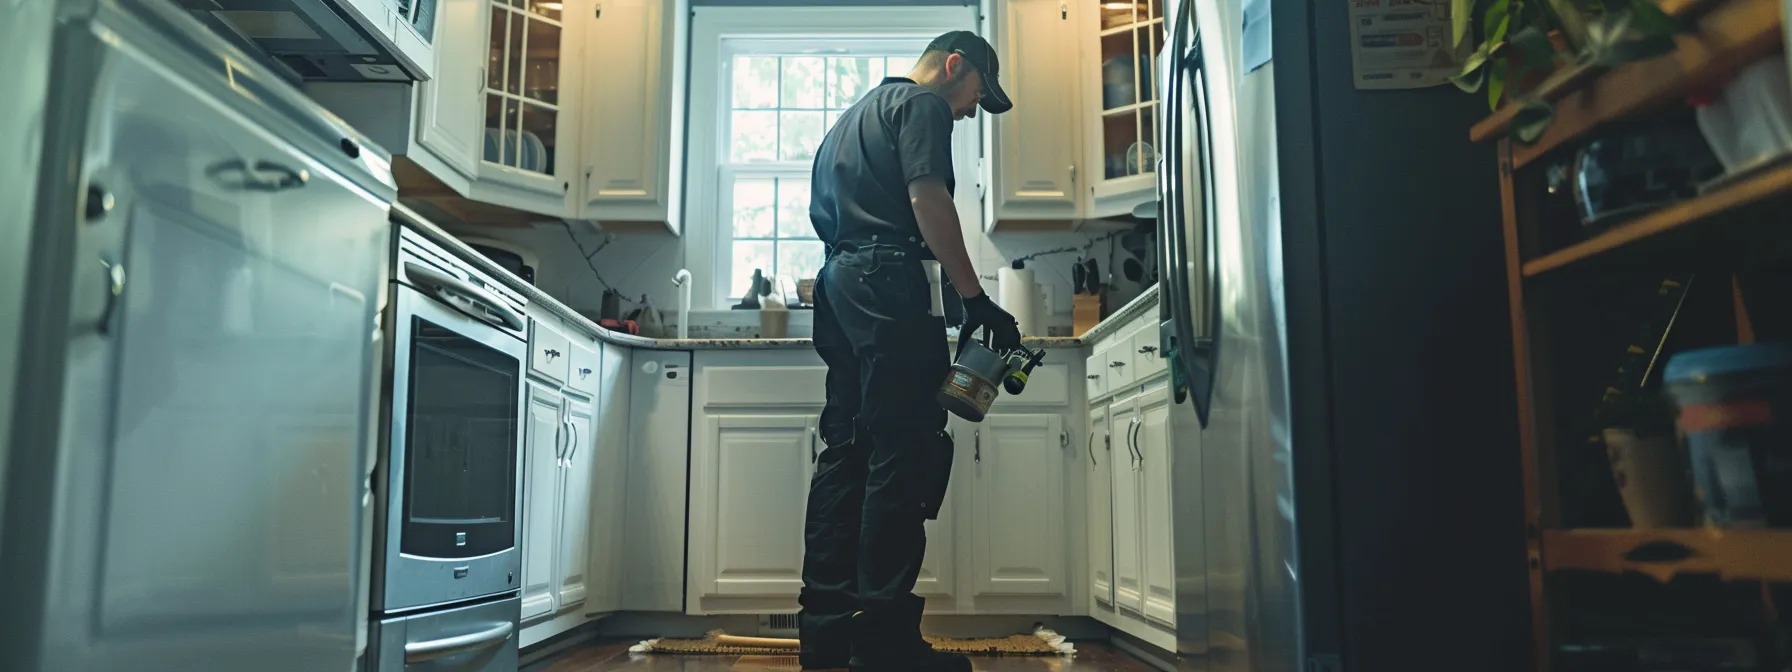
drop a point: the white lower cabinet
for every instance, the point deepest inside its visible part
(545, 437)
(573, 487)
(1143, 562)
(1001, 544)
(1018, 506)
(574, 534)
(1129, 566)
(1099, 468)
(754, 474)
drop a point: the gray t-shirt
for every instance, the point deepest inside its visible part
(898, 133)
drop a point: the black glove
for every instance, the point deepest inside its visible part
(979, 311)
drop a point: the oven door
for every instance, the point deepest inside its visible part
(451, 468)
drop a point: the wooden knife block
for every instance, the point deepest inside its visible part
(1085, 312)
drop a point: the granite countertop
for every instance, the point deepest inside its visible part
(437, 235)
(1145, 302)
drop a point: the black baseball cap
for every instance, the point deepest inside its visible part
(977, 51)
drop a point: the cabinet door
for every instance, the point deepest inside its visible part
(1121, 42)
(759, 476)
(449, 104)
(524, 101)
(1035, 146)
(608, 494)
(546, 435)
(628, 118)
(1018, 505)
(1099, 464)
(575, 502)
(1154, 478)
(1128, 566)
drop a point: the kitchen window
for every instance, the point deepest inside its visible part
(773, 88)
(781, 103)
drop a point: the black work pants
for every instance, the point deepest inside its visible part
(888, 458)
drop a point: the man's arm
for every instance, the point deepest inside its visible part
(937, 217)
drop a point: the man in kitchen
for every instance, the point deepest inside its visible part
(882, 203)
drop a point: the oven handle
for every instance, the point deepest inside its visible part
(417, 652)
(440, 281)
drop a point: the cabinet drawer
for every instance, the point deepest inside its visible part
(548, 351)
(1047, 385)
(1147, 357)
(804, 386)
(584, 367)
(1117, 365)
(1095, 374)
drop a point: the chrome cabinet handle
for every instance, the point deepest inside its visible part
(1093, 376)
(1132, 441)
(479, 89)
(1116, 365)
(1147, 349)
(583, 372)
(560, 444)
(813, 455)
(572, 445)
(977, 446)
(1092, 462)
(115, 278)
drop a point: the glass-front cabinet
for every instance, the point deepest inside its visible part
(1121, 102)
(526, 123)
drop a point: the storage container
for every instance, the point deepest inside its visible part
(1733, 402)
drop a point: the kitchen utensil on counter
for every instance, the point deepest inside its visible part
(1732, 401)
(805, 291)
(756, 287)
(1078, 274)
(1091, 277)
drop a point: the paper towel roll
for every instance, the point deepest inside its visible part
(1019, 295)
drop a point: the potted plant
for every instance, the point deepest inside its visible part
(1523, 42)
(1642, 446)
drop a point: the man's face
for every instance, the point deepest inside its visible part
(964, 95)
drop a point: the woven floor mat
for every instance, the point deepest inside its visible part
(1041, 643)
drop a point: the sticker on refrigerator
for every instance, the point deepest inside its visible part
(1401, 44)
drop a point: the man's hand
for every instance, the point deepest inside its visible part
(979, 311)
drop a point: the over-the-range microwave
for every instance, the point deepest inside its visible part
(332, 40)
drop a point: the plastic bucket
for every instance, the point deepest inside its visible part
(1733, 407)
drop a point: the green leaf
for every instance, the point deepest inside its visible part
(1532, 119)
(1461, 11)
(1471, 75)
(1495, 20)
(1496, 84)
(1533, 47)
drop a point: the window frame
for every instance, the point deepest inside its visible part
(720, 33)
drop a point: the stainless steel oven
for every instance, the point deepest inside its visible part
(450, 470)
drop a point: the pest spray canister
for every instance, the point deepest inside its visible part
(979, 372)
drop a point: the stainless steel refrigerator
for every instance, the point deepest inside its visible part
(1335, 309)
(186, 480)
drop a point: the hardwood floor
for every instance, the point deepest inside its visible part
(605, 657)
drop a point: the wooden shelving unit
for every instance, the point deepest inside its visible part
(1753, 555)
(1731, 228)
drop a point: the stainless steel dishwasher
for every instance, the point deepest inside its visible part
(187, 485)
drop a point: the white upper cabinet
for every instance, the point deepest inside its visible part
(1079, 143)
(1033, 152)
(529, 139)
(502, 116)
(634, 107)
(449, 105)
(1120, 42)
